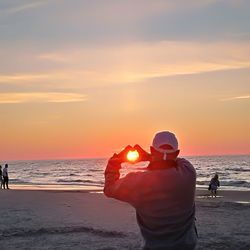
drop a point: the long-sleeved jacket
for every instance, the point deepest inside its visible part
(214, 183)
(5, 172)
(163, 197)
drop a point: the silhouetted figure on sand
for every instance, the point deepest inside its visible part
(214, 184)
(1, 177)
(5, 177)
(163, 195)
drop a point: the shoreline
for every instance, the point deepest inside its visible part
(54, 187)
(32, 186)
(201, 193)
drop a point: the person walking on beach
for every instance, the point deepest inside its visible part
(214, 184)
(5, 177)
(163, 195)
(1, 177)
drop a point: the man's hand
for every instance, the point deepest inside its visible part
(143, 155)
(122, 156)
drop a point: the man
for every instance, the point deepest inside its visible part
(163, 195)
(5, 177)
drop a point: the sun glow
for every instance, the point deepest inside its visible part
(133, 155)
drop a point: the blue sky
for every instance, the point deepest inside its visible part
(90, 22)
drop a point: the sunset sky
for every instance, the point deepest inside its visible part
(85, 78)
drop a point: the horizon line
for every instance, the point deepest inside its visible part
(105, 158)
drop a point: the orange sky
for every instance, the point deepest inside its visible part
(85, 81)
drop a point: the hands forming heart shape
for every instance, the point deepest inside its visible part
(133, 154)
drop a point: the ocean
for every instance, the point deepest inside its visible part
(233, 171)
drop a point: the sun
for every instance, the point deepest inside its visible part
(132, 155)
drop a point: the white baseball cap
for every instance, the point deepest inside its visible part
(165, 138)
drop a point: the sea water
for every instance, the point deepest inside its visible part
(233, 171)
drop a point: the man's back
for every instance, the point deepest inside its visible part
(164, 203)
(165, 207)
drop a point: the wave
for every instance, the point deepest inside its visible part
(19, 181)
(78, 181)
(238, 169)
(24, 232)
(202, 182)
(236, 183)
(95, 170)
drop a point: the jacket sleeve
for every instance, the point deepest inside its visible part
(123, 189)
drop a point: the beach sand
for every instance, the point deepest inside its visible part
(60, 219)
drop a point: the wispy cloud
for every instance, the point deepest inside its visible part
(236, 98)
(37, 97)
(77, 68)
(23, 77)
(25, 6)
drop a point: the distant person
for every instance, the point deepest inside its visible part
(214, 184)
(163, 195)
(5, 177)
(1, 177)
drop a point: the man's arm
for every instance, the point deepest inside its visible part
(123, 189)
(126, 188)
(112, 174)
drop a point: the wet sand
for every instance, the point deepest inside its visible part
(60, 219)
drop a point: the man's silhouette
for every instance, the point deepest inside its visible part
(163, 195)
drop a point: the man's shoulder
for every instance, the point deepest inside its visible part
(184, 163)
